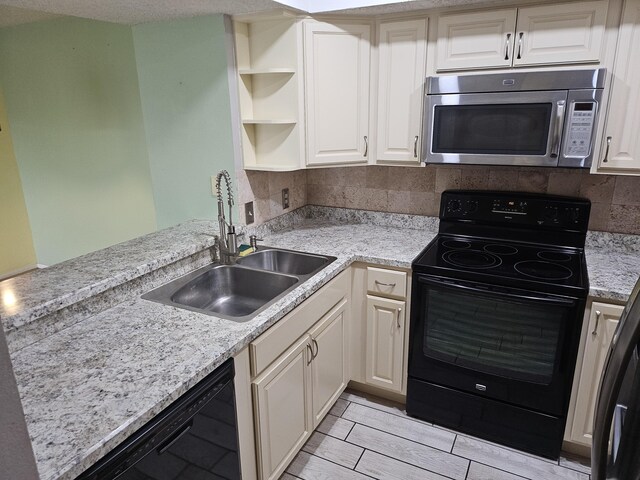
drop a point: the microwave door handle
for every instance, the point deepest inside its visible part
(555, 148)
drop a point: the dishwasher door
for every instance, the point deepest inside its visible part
(194, 438)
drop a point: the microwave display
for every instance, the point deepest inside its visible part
(492, 129)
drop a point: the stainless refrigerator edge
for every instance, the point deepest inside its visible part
(615, 450)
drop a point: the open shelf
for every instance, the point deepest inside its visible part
(266, 71)
(269, 122)
(270, 90)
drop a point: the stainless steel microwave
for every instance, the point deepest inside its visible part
(523, 118)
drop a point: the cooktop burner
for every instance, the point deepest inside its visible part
(554, 256)
(543, 270)
(456, 244)
(471, 259)
(500, 249)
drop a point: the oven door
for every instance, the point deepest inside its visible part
(523, 128)
(506, 344)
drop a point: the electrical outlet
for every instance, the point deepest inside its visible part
(248, 213)
(285, 198)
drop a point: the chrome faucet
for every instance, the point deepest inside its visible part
(227, 242)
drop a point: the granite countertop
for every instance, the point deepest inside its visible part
(89, 386)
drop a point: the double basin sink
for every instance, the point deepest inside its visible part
(239, 292)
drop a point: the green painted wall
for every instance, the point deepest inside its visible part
(72, 98)
(182, 72)
(16, 245)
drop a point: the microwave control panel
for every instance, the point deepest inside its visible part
(577, 143)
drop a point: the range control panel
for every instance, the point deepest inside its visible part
(581, 119)
(516, 208)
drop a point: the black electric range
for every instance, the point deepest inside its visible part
(496, 314)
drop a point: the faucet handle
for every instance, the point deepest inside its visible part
(253, 241)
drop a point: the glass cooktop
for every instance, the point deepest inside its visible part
(512, 262)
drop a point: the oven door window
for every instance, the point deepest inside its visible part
(495, 129)
(512, 338)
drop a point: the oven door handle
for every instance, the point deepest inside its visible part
(526, 296)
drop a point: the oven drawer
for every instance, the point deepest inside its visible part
(386, 283)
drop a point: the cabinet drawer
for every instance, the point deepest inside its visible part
(388, 283)
(270, 345)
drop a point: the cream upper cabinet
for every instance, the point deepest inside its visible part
(620, 148)
(386, 326)
(475, 40)
(603, 319)
(549, 34)
(402, 51)
(565, 33)
(337, 92)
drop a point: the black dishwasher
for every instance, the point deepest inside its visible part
(194, 438)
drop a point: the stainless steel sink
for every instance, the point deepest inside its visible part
(239, 292)
(285, 261)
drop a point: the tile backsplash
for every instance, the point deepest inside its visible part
(615, 199)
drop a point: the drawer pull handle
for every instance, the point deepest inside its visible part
(595, 329)
(392, 285)
(317, 348)
(398, 316)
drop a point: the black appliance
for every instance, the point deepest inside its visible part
(616, 432)
(496, 314)
(195, 437)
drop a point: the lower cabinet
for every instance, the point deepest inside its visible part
(292, 396)
(353, 328)
(328, 364)
(386, 327)
(282, 397)
(603, 319)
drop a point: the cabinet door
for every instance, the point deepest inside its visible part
(475, 40)
(565, 33)
(282, 396)
(621, 146)
(403, 55)
(337, 92)
(385, 342)
(329, 366)
(603, 320)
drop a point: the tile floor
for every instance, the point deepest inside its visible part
(366, 437)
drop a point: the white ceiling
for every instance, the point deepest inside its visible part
(13, 12)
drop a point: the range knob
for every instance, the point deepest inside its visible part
(551, 213)
(472, 206)
(454, 206)
(573, 215)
